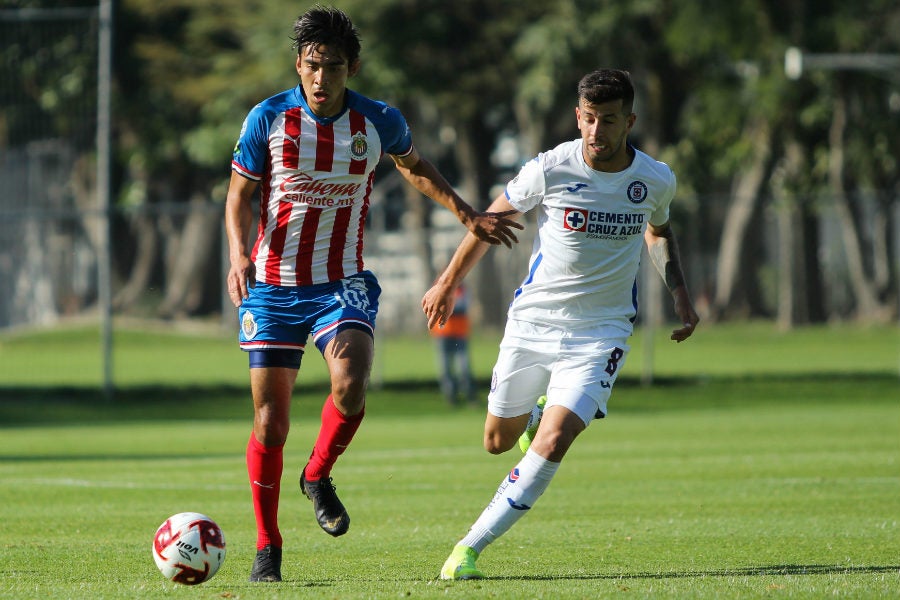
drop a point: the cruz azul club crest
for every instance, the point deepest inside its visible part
(637, 191)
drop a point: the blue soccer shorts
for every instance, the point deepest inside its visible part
(573, 368)
(279, 320)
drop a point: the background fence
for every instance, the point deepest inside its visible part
(65, 255)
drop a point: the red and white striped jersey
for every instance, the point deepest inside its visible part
(315, 179)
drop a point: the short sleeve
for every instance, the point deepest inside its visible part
(394, 131)
(249, 155)
(660, 215)
(527, 189)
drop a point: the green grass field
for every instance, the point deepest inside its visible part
(759, 465)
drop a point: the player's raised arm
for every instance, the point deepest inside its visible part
(663, 250)
(491, 227)
(438, 302)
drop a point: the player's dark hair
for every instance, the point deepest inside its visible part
(606, 85)
(329, 26)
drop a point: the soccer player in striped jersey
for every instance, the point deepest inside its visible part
(311, 153)
(598, 201)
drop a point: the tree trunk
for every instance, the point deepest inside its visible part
(473, 153)
(146, 254)
(423, 115)
(881, 243)
(867, 305)
(811, 270)
(741, 213)
(790, 291)
(786, 272)
(418, 228)
(189, 262)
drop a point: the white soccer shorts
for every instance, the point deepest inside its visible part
(573, 368)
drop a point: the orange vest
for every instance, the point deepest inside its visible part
(457, 325)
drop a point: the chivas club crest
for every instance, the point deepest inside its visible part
(359, 146)
(248, 325)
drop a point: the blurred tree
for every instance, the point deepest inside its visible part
(48, 108)
(747, 144)
(750, 134)
(187, 73)
(846, 124)
(724, 151)
(862, 147)
(453, 60)
(490, 71)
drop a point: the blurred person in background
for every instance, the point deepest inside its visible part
(452, 342)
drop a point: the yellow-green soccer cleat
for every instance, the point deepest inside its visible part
(461, 564)
(533, 421)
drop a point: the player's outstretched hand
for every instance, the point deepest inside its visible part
(495, 227)
(685, 311)
(437, 304)
(683, 333)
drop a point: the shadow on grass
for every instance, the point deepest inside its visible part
(739, 572)
(75, 456)
(72, 405)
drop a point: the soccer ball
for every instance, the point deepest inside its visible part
(189, 548)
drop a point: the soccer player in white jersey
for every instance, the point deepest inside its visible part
(311, 152)
(598, 200)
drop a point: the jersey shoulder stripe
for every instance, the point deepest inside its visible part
(248, 157)
(389, 122)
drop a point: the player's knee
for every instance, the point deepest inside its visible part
(349, 395)
(553, 444)
(349, 382)
(346, 390)
(270, 431)
(496, 443)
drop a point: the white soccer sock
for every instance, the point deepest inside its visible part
(516, 495)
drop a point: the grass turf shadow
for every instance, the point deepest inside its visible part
(761, 571)
(62, 404)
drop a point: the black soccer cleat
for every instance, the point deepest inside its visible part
(267, 566)
(330, 513)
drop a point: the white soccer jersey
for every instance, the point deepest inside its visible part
(584, 263)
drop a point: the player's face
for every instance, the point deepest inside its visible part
(604, 131)
(323, 75)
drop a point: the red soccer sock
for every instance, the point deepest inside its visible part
(264, 466)
(334, 436)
